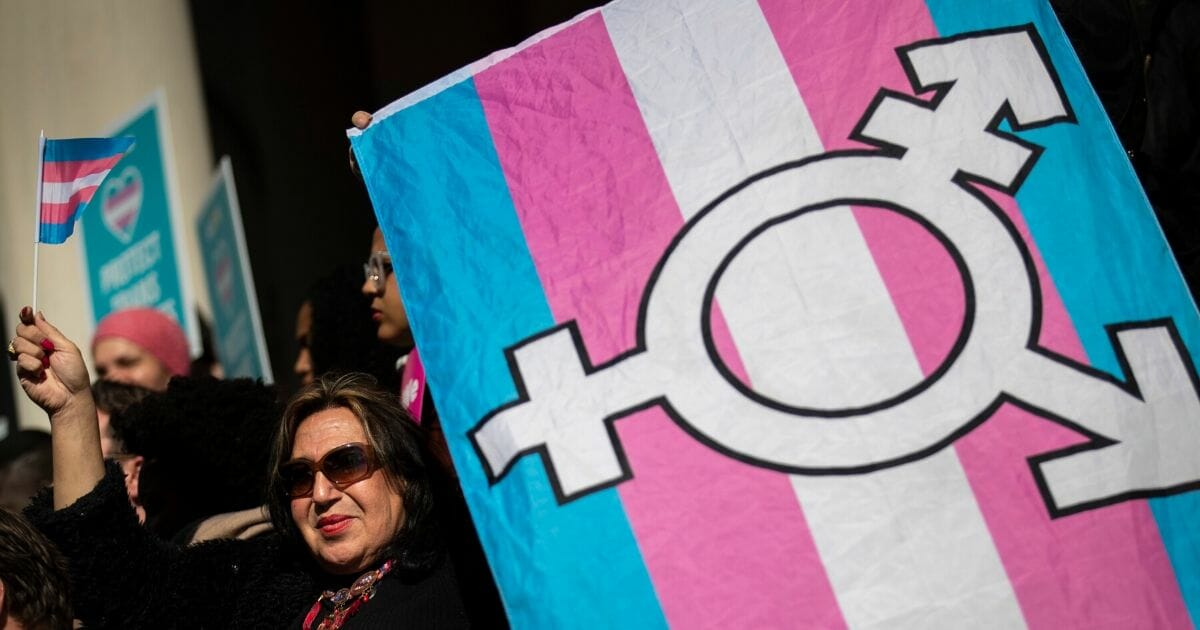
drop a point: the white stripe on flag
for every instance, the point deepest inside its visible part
(60, 192)
(904, 547)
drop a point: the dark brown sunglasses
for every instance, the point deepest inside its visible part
(342, 466)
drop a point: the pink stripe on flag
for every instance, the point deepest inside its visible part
(1102, 568)
(59, 172)
(64, 212)
(597, 213)
(840, 63)
(841, 53)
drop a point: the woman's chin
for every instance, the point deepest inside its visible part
(343, 566)
(337, 557)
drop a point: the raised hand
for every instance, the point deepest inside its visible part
(50, 367)
(361, 120)
(53, 375)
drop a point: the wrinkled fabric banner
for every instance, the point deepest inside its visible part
(762, 314)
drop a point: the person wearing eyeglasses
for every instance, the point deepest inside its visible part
(387, 308)
(355, 542)
(380, 283)
(391, 321)
(334, 331)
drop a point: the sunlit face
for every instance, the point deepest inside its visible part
(346, 529)
(303, 367)
(123, 361)
(387, 309)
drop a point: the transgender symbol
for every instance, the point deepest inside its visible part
(1145, 430)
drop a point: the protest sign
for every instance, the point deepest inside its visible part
(131, 235)
(237, 325)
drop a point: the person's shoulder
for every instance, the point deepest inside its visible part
(267, 549)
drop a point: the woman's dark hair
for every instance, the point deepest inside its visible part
(205, 442)
(114, 398)
(36, 584)
(397, 442)
(342, 336)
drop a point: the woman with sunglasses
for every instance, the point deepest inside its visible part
(350, 497)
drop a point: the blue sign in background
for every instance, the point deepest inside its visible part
(129, 244)
(237, 326)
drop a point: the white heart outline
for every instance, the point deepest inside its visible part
(111, 186)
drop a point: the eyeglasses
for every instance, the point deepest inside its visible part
(342, 466)
(377, 268)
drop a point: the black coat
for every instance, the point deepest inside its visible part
(122, 576)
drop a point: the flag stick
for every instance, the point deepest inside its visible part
(37, 215)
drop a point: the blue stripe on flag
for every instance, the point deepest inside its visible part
(79, 149)
(55, 233)
(1135, 278)
(471, 288)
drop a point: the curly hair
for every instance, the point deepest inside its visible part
(36, 583)
(113, 397)
(397, 442)
(205, 442)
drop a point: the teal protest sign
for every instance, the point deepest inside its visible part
(237, 325)
(133, 251)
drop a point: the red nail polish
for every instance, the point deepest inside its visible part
(47, 345)
(26, 314)
(45, 362)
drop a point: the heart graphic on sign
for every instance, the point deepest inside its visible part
(121, 202)
(224, 278)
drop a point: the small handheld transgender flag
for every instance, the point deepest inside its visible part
(69, 173)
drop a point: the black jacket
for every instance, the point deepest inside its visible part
(122, 576)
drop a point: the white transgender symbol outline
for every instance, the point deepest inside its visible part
(1144, 431)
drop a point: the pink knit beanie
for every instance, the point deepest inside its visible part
(151, 329)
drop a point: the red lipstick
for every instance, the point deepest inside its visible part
(333, 524)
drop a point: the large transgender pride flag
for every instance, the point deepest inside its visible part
(761, 314)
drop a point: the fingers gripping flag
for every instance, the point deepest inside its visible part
(71, 172)
(776, 314)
